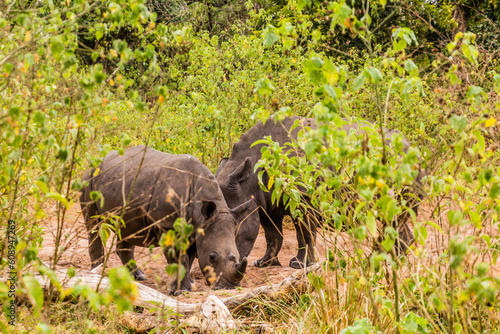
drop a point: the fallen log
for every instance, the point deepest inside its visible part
(211, 315)
(294, 285)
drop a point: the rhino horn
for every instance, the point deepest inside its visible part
(239, 270)
(237, 211)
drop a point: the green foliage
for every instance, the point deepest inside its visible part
(175, 243)
(362, 326)
(80, 78)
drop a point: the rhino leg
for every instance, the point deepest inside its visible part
(306, 237)
(125, 252)
(96, 248)
(185, 284)
(403, 242)
(273, 231)
(405, 239)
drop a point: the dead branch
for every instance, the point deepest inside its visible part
(294, 285)
(213, 315)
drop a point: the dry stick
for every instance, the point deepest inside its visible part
(451, 320)
(60, 228)
(60, 222)
(395, 286)
(337, 50)
(387, 18)
(387, 102)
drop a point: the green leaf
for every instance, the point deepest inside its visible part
(317, 61)
(390, 238)
(316, 36)
(375, 74)
(39, 118)
(122, 288)
(412, 323)
(97, 195)
(312, 67)
(56, 46)
(362, 326)
(331, 91)
(62, 154)
(359, 81)
(30, 59)
(52, 276)
(458, 123)
(388, 208)
(42, 186)
(60, 198)
(482, 269)
(34, 292)
(470, 52)
(399, 45)
(174, 270)
(285, 28)
(104, 232)
(270, 38)
(474, 92)
(421, 234)
(99, 31)
(454, 217)
(264, 86)
(371, 224)
(71, 272)
(99, 77)
(452, 75)
(410, 67)
(360, 233)
(302, 3)
(494, 190)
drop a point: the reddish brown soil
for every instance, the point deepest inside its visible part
(75, 254)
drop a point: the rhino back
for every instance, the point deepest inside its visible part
(155, 185)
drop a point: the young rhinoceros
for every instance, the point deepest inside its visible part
(159, 188)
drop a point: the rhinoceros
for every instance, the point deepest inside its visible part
(239, 182)
(158, 188)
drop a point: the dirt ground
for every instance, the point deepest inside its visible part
(76, 255)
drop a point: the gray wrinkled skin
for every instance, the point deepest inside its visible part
(161, 187)
(239, 183)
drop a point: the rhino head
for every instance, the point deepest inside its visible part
(238, 184)
(217, 253)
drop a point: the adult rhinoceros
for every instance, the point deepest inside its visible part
(239, 183)
(158, 188)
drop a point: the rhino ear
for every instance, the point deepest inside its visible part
(222, 163)
(208, 208)
(237, 211)
(242, 172)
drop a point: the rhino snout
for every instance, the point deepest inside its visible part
(239, 270)
(234, 277)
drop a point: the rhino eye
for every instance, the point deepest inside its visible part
(212, 257)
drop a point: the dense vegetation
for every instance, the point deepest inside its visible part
(80, 78)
